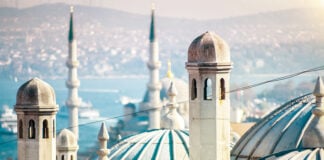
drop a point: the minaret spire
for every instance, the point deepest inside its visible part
(152, 27)
(71, 35)
(154, 85)
(72, 82)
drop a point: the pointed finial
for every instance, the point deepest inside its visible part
(103, 138)
(169, 72)
(71, 32)
(103, 134)
(319, 88)
(153, 6)
(172, 92)
(152, 27)
(172, 120)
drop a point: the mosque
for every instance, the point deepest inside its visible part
(293, 131)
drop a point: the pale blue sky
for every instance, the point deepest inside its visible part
(198, 9)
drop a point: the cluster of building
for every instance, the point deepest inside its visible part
(196, 128)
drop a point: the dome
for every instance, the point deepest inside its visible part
(153, 144)
(291, 126)
(208, 47)
(36, 93)
(66, 139)
(315, 153)
(182, 87)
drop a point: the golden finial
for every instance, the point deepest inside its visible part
(71, 9)
(153, 6)
(169, 72)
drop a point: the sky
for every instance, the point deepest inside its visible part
(192, 9)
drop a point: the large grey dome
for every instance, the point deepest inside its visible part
(153, 144)
(287, 128)
(305, 154)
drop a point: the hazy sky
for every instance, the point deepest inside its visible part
(207, 9)
(198, 9)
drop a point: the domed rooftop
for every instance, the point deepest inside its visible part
(286, 128)
(153, 144)
(66, 139)
(182, 87)
(36, 93)
(208, 47)
(305, 154)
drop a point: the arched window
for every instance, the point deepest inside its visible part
(62, 157)
(54, 128)
(208, 92)
(222, 89)
(45, 129)
(20, 129)
(71, 157)
(193, 89)
(31, 129)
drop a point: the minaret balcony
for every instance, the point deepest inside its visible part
(153, 65)
(72, 64)
(73, 83)
(72, 103)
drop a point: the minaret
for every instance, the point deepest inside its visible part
(103, 137)
(73, 82)
(154, 85)
(209, 68)
(172, 119)
(36, 110)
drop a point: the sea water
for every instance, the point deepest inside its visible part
(103, 94)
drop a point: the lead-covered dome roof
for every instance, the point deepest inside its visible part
(287, 128)
(36, 93)
(305, 154)
(208, 48)
(154, 144)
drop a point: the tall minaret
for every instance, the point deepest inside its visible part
(209, 68)
(73, 82)
(154, 85)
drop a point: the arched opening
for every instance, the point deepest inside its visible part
(222, 89)
(208, 92)
(62, 157)
(31, 129)
(20, 129)
(193, 89)
(45, 129)
(54, 128)
(71, 157)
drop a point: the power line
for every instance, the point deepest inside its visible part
(277, 79)
(92, 122)
(231, 91)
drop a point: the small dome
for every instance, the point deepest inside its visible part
(36, 92)
(208, 47)
(314, 153)
(153, 144)
(66, 139)
(291, 126)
